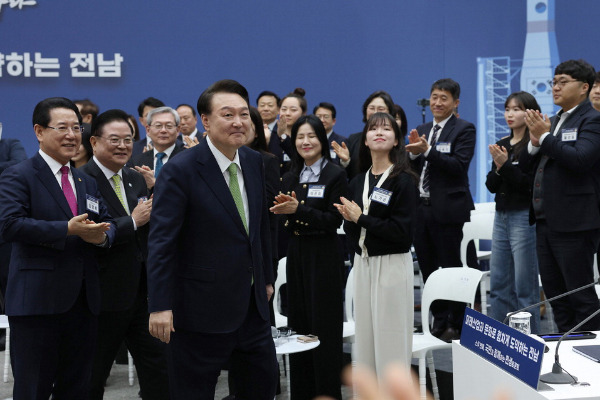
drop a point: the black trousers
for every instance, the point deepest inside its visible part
(52, 354)
(195, 360)
(438, 245)
(566, 262)
(149, 353)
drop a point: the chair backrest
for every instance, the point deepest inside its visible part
(480, 227)
(349, 297)
(453, 283)
(280, 320)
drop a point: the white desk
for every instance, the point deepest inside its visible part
(477, 378)
(294, 346)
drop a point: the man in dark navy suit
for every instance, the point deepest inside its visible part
(441, 152)
(124, 309)
(56, 220)
(144, 108)
(326, 113)
(209, 264)
(565, 152)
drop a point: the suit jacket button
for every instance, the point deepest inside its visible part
(280, 165)
(302, 202)
(304, 186)
(297, 221)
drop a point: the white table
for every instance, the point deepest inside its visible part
(294, 346)
(477, 378)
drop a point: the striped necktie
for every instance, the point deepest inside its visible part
(426, 176)
(117, 181)
(234, 188)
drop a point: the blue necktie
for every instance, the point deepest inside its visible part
(159, 163)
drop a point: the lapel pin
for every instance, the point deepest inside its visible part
(130, 185)
(79, 179)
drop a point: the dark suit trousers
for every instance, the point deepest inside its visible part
(438, 245)
(149, 353)
(52, 354)
(566, 262)
(195, 360)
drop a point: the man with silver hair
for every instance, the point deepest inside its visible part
(163, 125)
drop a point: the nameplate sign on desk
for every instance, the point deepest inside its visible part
(503, 346)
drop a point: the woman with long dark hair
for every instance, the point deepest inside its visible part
(379, 223)
(314, 265)
(514, 282)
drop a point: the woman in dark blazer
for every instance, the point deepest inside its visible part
(379, 223)
(314, 265)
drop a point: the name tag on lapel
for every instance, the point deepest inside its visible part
(316, 191)
(568, 135)
(92, 204)
(443, 147)
(381, 196)
(332, 154)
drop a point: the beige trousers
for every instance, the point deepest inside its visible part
(383, 310)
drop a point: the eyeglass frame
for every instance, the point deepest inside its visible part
(561, 83)
(118, 140)
(64, 129)
(159, 127)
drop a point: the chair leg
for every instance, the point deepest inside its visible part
(423, 377)
(432, 375)
(130, 368)
(7, 355)
(483, 289)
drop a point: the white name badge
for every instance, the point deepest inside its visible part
(286, 158)
(333, 155)
(92, 204)
(443, 147)
(316, 191)
(569, 135)
(381, 196)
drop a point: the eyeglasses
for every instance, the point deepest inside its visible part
(63, 130)
(115, 141)
(159, 127)
(561, 83)
(378, 109)
(326, 117)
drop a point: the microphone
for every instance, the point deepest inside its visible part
(558, 375)
(551, 299)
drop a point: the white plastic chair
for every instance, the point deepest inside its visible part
(280, 320)
(130, 368)
(479, 228)
(349, 326)
(4, 325)
(455, 284)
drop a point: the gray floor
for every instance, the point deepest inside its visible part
(118, 386)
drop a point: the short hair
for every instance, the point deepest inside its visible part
(327, 106)
(579, 70)
(317, 125)
(188, 106)
(385, 96)
(597, 77)
(88, 108)
(204, 105)
(41, 112)
(260, 141)
(447, 85)
(162, 110)
(107, 117)
(299, 94)
(269, 93)
(397, 155)
(400, 112)
(149, 102)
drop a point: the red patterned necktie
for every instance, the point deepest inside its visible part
(68, 189)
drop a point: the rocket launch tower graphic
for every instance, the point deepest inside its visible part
(541, 53)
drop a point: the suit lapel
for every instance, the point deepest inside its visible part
(49, 181)
(208, 169)
(447, 131)
(253, 188)
(130, 192)
(81, 191)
